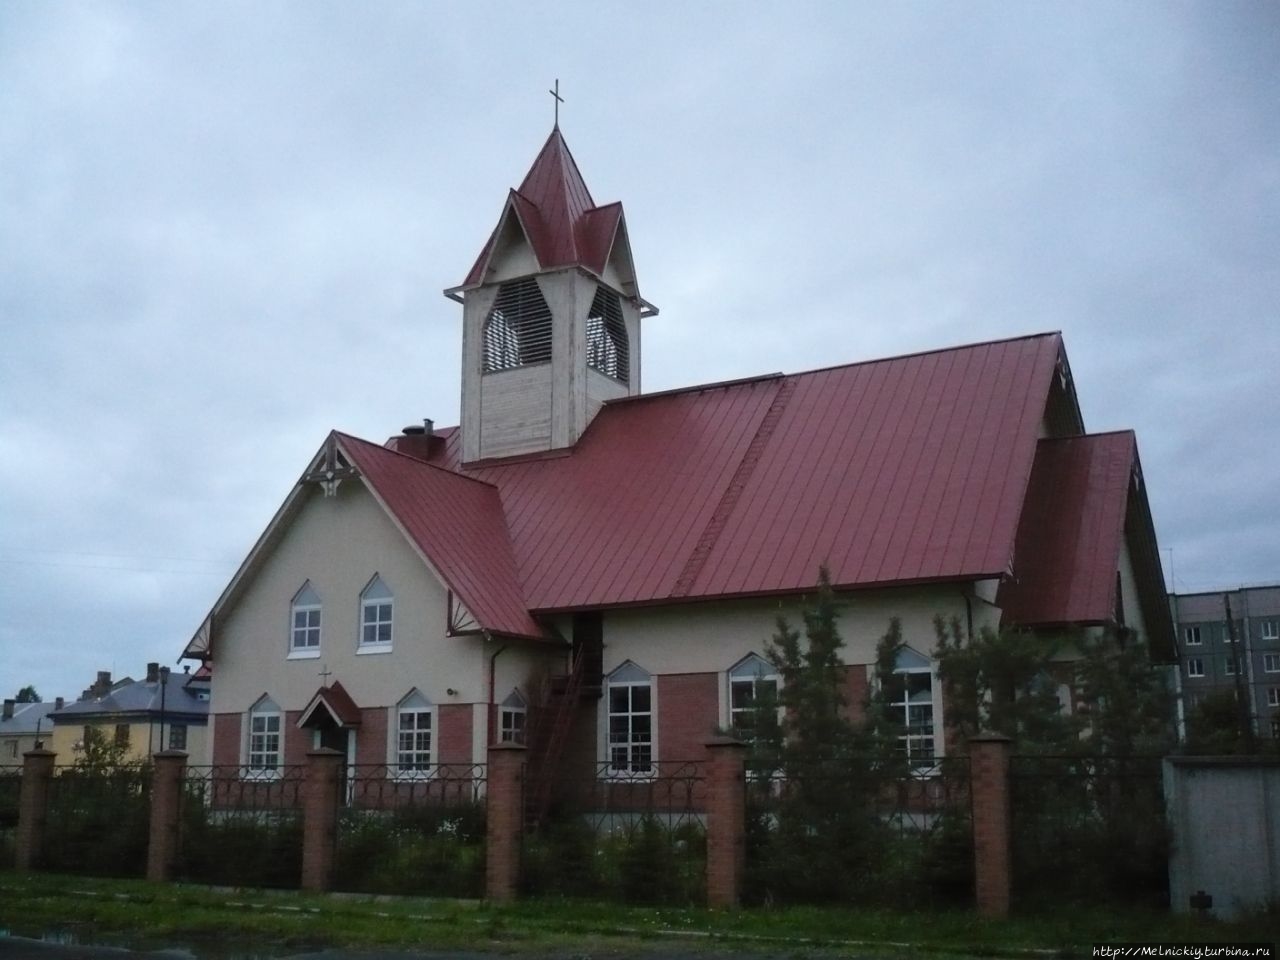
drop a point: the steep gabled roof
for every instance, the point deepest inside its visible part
(1085, 503)
(555, 210)
(1071, 532)
(457, 522)
(910, 469)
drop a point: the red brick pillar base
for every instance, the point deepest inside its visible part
(33, 806)
(504, 813)
(726, 821)
(992, 826)
(320, 817)
(166, 808)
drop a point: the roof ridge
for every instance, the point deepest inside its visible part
(414, 460)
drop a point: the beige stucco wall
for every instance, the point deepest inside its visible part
(338, 544)
(713, 637)
(1129, 590)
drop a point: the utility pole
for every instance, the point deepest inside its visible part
(1242, 700)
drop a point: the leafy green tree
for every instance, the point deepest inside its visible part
(28, 694)
(1124, 699)
(1213, 726)
(101, 754)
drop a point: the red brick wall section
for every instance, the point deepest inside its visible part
(297, 743)
(455, 721)
(855, 691)
(226, 739)
(371, 738)
(688, 714)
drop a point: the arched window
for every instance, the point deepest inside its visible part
(629, 696)
(376, 603)
(517, 331)
(909, 695)
(415, 734)
(752, 681)
(305, 619)
(607, 345)
(264, 746)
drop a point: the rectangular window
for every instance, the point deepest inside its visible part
(1271, 629)
(1273, 697)
(178, 736)
(511, 724)
(376, 625)
(909, 696)
(413, 741)
(1195, 667)
(122, 734)
(264, 742)
(630, 728)
(1271, 662)
(1192, 636)
(13, 749)
(1230, 667)
(306, 628)
(745, 695)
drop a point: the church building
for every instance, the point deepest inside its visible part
(597, 570)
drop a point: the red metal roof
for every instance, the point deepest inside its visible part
(336, 702)
(1071, 532)
(458, 523)
(555, 209)
(901, 470)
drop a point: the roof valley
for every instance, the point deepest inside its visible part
(733, 491)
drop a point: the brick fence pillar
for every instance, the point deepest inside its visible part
(320, 798)
(504, 819)
(726, 820)
(33, 806)
(992, 822)
(166, 809)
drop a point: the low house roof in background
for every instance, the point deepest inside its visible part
(138, 697)
(26, 717)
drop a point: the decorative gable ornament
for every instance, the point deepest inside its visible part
(330, 468)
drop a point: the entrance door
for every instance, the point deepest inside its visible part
(342, 739)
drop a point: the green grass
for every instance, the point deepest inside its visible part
(153, 915)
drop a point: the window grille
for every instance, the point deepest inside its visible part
(607, 348)
(517, 331)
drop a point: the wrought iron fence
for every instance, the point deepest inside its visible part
(412, 832)
(98, 821)
(241, 830)
(10, 789)
(1089, 829)
(861, 830)
(640, 839)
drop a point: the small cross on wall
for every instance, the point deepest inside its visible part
(325, 673)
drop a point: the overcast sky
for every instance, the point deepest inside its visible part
(224, 229)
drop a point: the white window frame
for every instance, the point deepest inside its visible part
(1271, 663)
(749, 673)
(1229, 666)
(421, 762)
(1270, 630)
(270, 760)
(631, 678)
(1273, 696)
(1195, 667)
(173, 730)
(306, 602)
(513, 716)
(919, 664)
(376, 599)
(1191, 637)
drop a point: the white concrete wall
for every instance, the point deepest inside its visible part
(1133, 617)
(1225, 816)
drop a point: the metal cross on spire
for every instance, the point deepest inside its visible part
(559, 99)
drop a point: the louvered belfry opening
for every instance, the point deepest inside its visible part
(607, 349)
(517, 331)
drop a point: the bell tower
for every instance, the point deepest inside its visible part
(551, 315)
